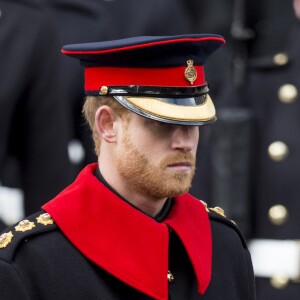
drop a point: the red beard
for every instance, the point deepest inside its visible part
(154, 180)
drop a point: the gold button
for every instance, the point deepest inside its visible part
(103, 90)
(287, 93)
(171, 277)
(278, 214)
(279, 282)
(278, 151)
(280, 59)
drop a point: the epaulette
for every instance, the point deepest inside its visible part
(217, 214)
(271, 62)
(12, 236)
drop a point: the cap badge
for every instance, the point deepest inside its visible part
(5, 239)
(190, 73)
(45, 219)
(24, 226)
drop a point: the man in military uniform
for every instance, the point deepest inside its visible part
(127, 228)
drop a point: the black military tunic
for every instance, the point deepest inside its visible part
(94, 257)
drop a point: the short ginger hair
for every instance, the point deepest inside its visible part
(90, 107)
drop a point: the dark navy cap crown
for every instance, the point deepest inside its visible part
(147, 51)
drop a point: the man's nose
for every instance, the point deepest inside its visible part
(185, 138)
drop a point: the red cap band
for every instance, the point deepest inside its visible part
(95, 77)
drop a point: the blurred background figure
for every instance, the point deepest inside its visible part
(33, 160)
(254, 150)
(77, 21)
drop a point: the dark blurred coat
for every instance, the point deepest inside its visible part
(77, 21)
(271, 94)
(32, 130)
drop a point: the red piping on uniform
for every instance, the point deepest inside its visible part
(143, 45)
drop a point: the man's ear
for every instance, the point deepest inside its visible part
(105, 119)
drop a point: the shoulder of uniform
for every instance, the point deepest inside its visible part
(271, 62)
(11, 237)
(217, 214)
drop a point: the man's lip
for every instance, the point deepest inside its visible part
(180, 164)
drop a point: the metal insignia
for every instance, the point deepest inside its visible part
(170, 277)
(190, 73)
(45, 219)
(5, 239)
(24, 226)
(103, 90)
(205, 205)
(219, 211)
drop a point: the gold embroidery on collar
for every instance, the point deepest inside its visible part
(24, 226)
(45, 219)
(5, 239)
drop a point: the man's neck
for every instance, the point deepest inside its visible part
(148, 205)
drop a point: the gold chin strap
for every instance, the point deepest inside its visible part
(203, 112)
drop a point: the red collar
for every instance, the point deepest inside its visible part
(127, 243)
